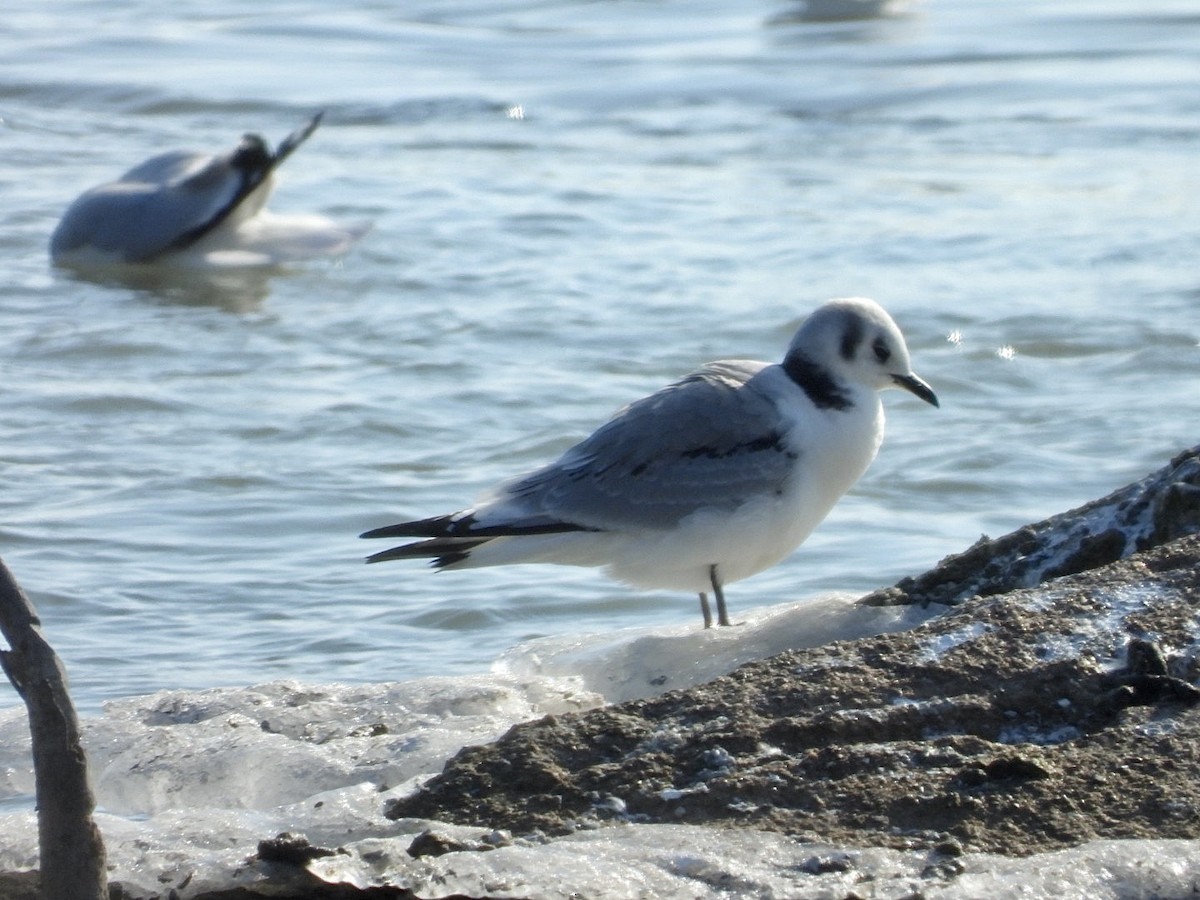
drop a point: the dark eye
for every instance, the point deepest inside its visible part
(882, 353)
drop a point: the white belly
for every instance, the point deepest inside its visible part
(760, 533)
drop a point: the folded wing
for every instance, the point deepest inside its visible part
(711, 441)
(168, 202)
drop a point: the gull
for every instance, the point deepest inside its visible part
(709, 480)
(196, 209)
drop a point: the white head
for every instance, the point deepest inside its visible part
(851, 342)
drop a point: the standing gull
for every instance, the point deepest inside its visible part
(185, 208)
(710, 480)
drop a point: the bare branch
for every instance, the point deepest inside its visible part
(71, 848)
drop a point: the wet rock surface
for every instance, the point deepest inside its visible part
(1027, 719)
(1156, 510)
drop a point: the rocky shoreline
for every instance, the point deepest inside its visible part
(1029, 719)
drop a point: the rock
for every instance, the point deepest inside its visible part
(1161, 507)
(1044, 710)
(290, 849)
(431, 842)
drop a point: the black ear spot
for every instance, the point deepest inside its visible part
(882, 353)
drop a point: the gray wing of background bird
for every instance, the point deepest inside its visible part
(169, 201)
(152, 209)
(711, 440)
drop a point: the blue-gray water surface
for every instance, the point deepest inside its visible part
(573, 204)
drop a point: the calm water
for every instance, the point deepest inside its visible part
(184, 467)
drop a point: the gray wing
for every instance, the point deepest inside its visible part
(713, 440)
(137, 219)
(169, 201)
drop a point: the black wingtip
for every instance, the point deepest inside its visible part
(438, 526)
(297, 137)
(379, 533)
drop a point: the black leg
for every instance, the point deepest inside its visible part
(705, 611)
(722, 615)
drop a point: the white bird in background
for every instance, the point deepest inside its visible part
(710, 480)
(195, 209)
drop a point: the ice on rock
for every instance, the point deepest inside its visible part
(274, 744)
(280, 743)
(633, 663)
(682, 861)
(193, 780)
